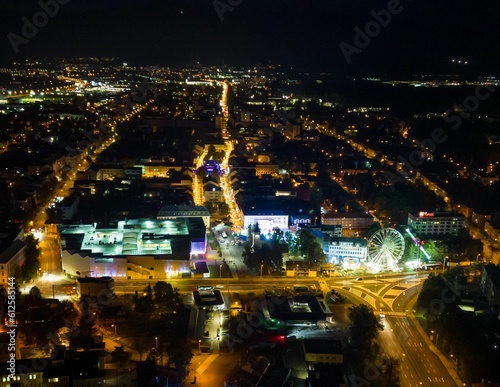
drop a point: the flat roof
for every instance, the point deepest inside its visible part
(157, 237)
(359, 241)
(423, 215)
(322, 346)
(182, 211)
(348, 215)
(300, 308)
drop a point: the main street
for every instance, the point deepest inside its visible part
(402, 338)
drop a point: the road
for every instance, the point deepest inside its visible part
(419, 364)
(401, 338)
(50, 261)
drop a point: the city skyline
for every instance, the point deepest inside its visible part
(421, 37)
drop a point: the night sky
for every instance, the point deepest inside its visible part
(305, 35)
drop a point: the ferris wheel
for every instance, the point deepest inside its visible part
(385, 249)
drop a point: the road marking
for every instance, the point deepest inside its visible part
(202, 368)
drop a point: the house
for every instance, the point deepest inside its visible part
(321, 351)
(11, 258)
(301, 269)
(95, 286)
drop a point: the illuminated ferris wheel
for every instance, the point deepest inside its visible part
(385, 249)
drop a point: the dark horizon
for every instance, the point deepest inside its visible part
(423, 38)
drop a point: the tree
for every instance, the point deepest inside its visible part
(120, 356)
(31, 264)
(35, 293)
(310, 246)
(167, 296)
(179, 355)
(81, 336)
(145, 304)
(364, 327)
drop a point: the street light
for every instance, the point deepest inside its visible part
(220, 271)
(114, 326)
(199, 347)
(261, 271)
(156, 342)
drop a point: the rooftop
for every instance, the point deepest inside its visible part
(133, 237)
(423, 214)
(350, 215)
(182, 211)
(322, 346)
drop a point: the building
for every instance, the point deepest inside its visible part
(348, 220)
(301, 269)
(135, 248)
(293, 129)
(266, 169)
(11, 258)
(95, 286)
(436, 223)
(490, 285)
(321, 351)
(332, 230)
(266, 219)
(28, 373)
(68, 207)
(339, 249)
(212, 192)
(184, 211)
(324, 362)
(298, 310)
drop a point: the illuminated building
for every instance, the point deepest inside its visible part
(267, 220)
(135, 248)
(436, 223)
(339, 249)
(348, 220)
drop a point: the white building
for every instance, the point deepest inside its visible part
(340, 249)
(267, 220)
(436, 223)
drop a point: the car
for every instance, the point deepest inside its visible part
(359, 279)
